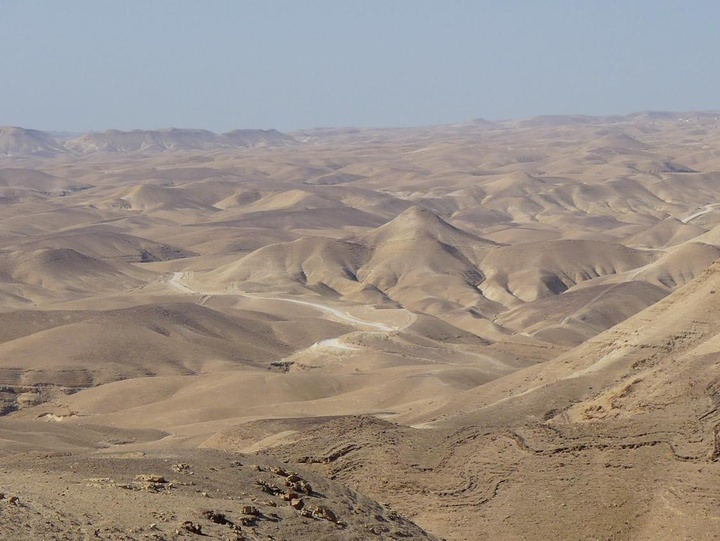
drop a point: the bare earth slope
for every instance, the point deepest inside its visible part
(500, 330)
(617, 437)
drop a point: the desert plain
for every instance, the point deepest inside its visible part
(488, 330)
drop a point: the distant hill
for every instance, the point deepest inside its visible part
(24, 142)
(16, 141)
(175, 139)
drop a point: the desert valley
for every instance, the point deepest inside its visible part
(488, 330)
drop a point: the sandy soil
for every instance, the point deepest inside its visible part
(486, 330)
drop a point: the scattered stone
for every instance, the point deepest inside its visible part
(305, 487)
(289, 495)
(283, 366)
(249, 510)
(150, 478)
(191, 527)
(181, 468)
(164, 517)
(296, 482)
(99, 482)
(268, 488)
(324, 513)
(148, 481)
(279, 471)
(216, 517)
(301, 486)
(248, 521)
(297, 503)
(13, 500)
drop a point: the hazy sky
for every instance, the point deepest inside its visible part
(218, 64)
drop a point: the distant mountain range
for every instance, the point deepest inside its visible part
(16, 141)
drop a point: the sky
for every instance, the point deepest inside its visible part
(80, 65)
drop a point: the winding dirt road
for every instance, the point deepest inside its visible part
(178, 282)
(710, 207)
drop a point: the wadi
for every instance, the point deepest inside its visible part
(489, 330)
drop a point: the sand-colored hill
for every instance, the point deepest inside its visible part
(679, 266)
(174, 139)
(313, 262)
(530, 272)
(516, 184)
(69, 270)
(37, 181)
(91, 348)
(616, 141)
(416, 260)
(668, 232)
(647, 345)
(579, 314)
(150, 196)
(252, 138)
(629, 413)
(16, 141)
(121, 141)
(103, 243)
(500, 330)
(292, 199)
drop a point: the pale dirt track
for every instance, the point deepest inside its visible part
(178, 282)
(705, 210)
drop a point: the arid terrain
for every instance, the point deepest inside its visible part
(489, 330)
